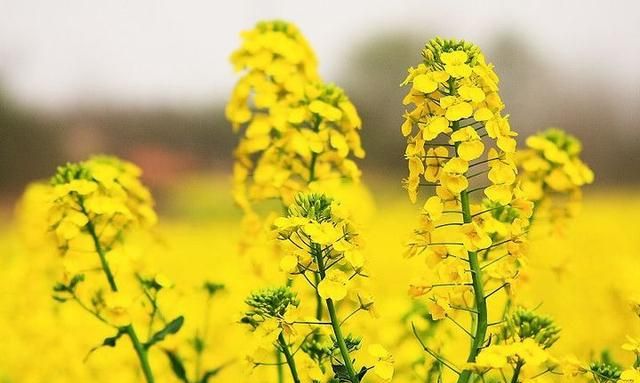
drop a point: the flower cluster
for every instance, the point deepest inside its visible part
(451, 227)
(522, 346)
(321, 239)
(551, 168)
(456, 136)
(277, 63)
(100, 198)
(299, 130)
(289, 149)
(455, 99)
(322, 246)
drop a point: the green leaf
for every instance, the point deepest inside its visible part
(211, 373)
(108, 342)
(362, 372)
(177, 366)
(75, 280)
(171, 328)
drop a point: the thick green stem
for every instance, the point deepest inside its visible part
(481, 322)
(279, 364)
(290, 361)
(141, 351)
(335, 322)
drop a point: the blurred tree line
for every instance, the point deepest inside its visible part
(168, 142)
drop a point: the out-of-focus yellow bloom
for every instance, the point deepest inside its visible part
(117, 307)
(552, 174)
(383, 361)
(631, 375)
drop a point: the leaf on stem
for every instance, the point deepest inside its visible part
(171, 328)
(177, 366)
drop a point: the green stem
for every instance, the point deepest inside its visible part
(335, 322)
(478, 288)
(290, 361)
(319, 303)
(141, 352)
(279, 368)
(516, 371)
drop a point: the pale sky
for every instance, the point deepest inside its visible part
(59, 53)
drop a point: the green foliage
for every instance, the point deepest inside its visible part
(313, 206)
(522, 324)
(269, 303)
(177, 367)
(171, 328)
(605, 370)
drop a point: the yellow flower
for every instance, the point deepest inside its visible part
(267, 333)
(434, 207)
(471, 93)
(429, 82)
(434, 127)
(631, 375)
(327, 111)
(474, 238)
(117, 306)
(453, 177)
(438, 307)
(355, 258)
(632, 345)
(383, 362)
(309, 370)
(436, 158)
(289, 263)
(455, 63)
(531, 352)
(456, 108)
(494, 356)
(407, 126)
(82, 187)
(572, 367)
(333, 285)
(499, 193)
(471, 146)
(162, 280)
(322, 233)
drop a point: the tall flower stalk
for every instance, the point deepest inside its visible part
(297, 133)
(456, 136)
(95, 205)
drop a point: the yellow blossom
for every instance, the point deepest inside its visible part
(333, 285)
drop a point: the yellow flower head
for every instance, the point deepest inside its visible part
(102, 195)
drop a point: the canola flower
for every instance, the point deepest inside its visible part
(298, 131)
(323, 249)
(95, 205)
(455, 106)
(552, 174)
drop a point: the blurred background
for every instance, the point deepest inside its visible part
(147, 79)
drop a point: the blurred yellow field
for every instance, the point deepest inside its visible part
(583, 279)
